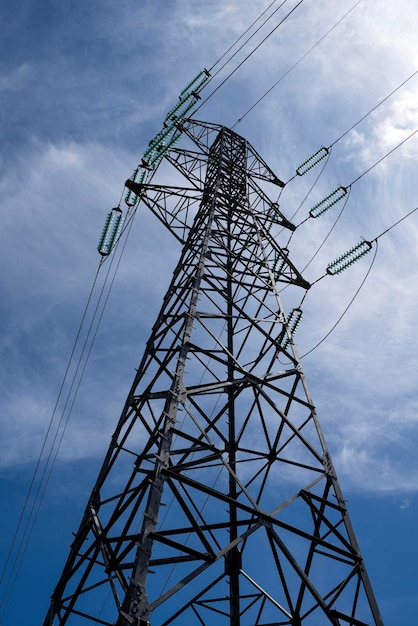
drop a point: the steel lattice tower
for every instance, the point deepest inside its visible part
(217, 502)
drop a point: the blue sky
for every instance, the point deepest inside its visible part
(83, 88)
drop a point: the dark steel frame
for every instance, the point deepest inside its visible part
(217, 502)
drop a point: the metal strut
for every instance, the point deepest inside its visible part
(217, 501)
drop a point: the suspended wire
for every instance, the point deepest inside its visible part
(45, 477)
(49, 428)
(244, 33)
(41, 455)
(375, 240)
(395, 224)
(328, 234)
(384, 157)
(373, 109)
(346, 309)
(295, 65)
(249, 39)
(249, 55)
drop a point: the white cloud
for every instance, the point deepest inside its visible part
(405, 504)
(15, 80)
(60, 191)
(82, 101)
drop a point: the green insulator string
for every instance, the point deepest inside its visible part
(111, 232)
(349, 258)
(203, 76)
(317, 157)
(329, 201)
(158, 147)
(139, 176)
(346, 308)
(293, 322)
(279, 263)
(313, 161)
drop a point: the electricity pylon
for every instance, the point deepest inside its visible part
(217, 502)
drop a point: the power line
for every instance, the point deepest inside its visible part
(375, 241)
(373, 109)
(320, 154)
(345, 310)
(295, 65)
(60, 432)
(395, 224)
(250, 54)
(35, 502)
(369, 169)
(243, 35)
(41, 454)
(335, 196)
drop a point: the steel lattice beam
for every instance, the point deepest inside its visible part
(217, 501)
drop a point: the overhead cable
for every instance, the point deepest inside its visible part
(244, 33)
(250, 54)
(346, 308)
(295, 65)
(322, 152)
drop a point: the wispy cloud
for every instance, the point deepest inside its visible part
(82, 91)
